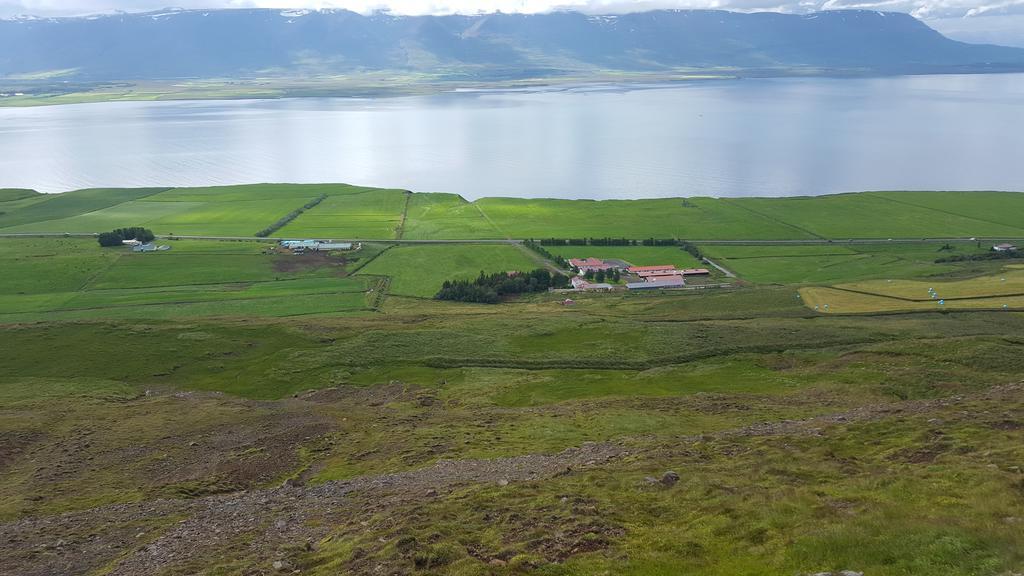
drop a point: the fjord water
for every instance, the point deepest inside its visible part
(751, 137)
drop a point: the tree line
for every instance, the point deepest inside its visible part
(585, 242)
(607, 241)
(282, 222)
(601, 276)
(993, 255)
(562, 262)
(491, 288)
(118, 236)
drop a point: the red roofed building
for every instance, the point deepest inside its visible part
(585, 264)
(659, 274)
(696, 272)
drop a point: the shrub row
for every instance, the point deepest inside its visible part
(289, 217)
(993, 255)
(562, 262)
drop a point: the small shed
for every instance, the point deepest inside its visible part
(1004, 248)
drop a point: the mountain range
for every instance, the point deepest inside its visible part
(236, 43)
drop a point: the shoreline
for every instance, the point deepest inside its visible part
(55, 92)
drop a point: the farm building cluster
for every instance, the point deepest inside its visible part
(138, 246)
(664, 276)
(302, 246)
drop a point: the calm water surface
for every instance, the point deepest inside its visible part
(772, 137)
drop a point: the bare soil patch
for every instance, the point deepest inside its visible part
(292, 263)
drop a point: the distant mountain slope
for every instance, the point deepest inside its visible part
(225, 43)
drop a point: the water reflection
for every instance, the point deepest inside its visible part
(733, 138)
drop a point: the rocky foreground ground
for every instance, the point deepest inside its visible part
(268, 527)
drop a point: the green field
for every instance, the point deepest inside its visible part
(421, 270)
(40, 216)
(839, 301)
(449, 216)
(215, 211)
(1009, 282)
(352, 212)
(366, 214)
(703, 218)
(13, 194)
(230, 407)
(995, 207)
(816, 264)
(871, 215)
(635, 255)
(71, 279)
(994, 292)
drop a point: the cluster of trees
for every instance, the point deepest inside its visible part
(692, 249)
(281, 223)
(562, 262)
(117, 237)
(490, 288)
(562, 241)
(660, 242)
(993, 255)
(612, 275)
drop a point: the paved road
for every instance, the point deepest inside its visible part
(258, 239)
(721, 269)
(513, 241)
(851, 241)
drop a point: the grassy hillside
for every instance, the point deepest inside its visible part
(884, 444)
(12, 194)
(63, 207)
(448, 216)
(350, 212)
(704, 218)
(228, 407)
(869, 215)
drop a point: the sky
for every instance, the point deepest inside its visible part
(1000, 21)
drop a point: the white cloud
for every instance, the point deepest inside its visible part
(925, 9)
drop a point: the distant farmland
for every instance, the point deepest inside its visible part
(351, 212)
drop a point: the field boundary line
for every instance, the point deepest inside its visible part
(363, 264)
(283, 222)
(905, 299)
(100, 272)
(776, 220)
(491, 222)
(769, 256)
(154, 193)
(939, 210)
(400, 231)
